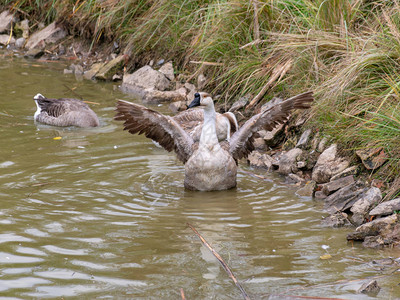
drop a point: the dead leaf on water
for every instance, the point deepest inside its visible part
(57, 138)
(325, 256)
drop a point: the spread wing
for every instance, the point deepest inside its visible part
(190, 119)
(162, 129)
(241, 143)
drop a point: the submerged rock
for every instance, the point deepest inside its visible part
(50, 34)
(336, 220)
(370, 287)
(307, 190)
(328, 165)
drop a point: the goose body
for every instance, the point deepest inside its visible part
(210, 162)
(64, 112)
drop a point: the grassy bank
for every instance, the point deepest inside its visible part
(347, 51)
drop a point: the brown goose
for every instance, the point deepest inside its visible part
(64, 112)
(209, 164)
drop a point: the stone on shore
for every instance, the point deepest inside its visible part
(145, 78)
(329, 163)
(156, 96)
(34, 53)
(370, 287)
(334, 185)
(336, 220)
(242, 102)
(363, 205)
(303, 141)
(93, 71)
(256, 159)
(108, 70)
(48, 35)
(372, 158)
(386, 208)
(287, 162)
(344, 198)
(307, 190)
(6, 19)
(273, 137)
(354, 170)
(168, 70)
(5, 40)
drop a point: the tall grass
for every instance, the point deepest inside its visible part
(348, 51)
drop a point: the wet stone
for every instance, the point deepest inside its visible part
(370, 287)
(307, 190)
(336, 220)
(287, 162)
(259, 160)
(108, 70)
(34, 53)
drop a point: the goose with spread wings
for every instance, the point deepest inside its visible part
(210, 163)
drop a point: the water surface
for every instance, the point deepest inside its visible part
(100, 214)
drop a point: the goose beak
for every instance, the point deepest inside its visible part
(195, 102)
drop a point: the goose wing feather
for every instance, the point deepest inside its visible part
(241, 144)
(156, 126)
(58, 107)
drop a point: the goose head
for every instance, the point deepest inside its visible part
(202, 100)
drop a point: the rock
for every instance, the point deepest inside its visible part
(6, 40)
(320, 195)
(168, 70)
(34, 53)
(76, 69)
(386, 208)
(372, 158)
(287, 162)
(276, 158)
(242, 102)
(379, 226)
(108, 70)
(354, 170)
(328, 165)
(256, 159)
(303, 141)
(295, 178)
(19, 43)
(68, 71)
(307, 190)
(370, 287)
(336, 220)
(155, 96)
(273, 137)
(259, 144)
(6, 19)
(93, 71)
(50, 34)
(145, 78)
(344, 198)
(177, 106)
(201, 82)
(22, 29)
(116, 77)
(322, 145)
(160, 61)
(333, 186)
(301, 164)
(361, 207)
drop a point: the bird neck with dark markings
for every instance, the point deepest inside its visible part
(208, 136)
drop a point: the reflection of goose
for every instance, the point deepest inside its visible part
(64, 112)
(210, 164)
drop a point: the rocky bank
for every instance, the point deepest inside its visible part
(304, 156)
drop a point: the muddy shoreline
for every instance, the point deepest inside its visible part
(303, 155)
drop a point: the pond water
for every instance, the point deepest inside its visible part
(100, 213)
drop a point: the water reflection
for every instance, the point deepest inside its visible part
(99, 213)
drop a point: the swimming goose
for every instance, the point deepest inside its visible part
(64, 112)
(209, 164)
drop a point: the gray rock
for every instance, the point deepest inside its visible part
(108, 70)
(168, 70)
(155, 96)
(259, 144)
(93, 71)
(307, 190)
(372, 158)
(48, 35)
(274, 136)
(301, 164)
(6, 19)
(201, 82)
(242, 102)
(333, 186)
(336, 220)
(361, 207)
(146, 78)
(34, 53)
(370, 287)
(320, 195)
(19, 43)
(386, 208)
(375, 227)
(23, 26)
(259, 160)
(328, 165)
(296, 178)
(303, 141)
(322, 145)
(287, 162)
(177, 106)
(354, 170)
(344, 198)
(6, 40)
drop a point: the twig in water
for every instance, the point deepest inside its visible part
(73, 92)
(224, 265)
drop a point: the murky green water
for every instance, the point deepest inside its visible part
(102, 214)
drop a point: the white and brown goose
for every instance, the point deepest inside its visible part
(64, 112)
(210, 163)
